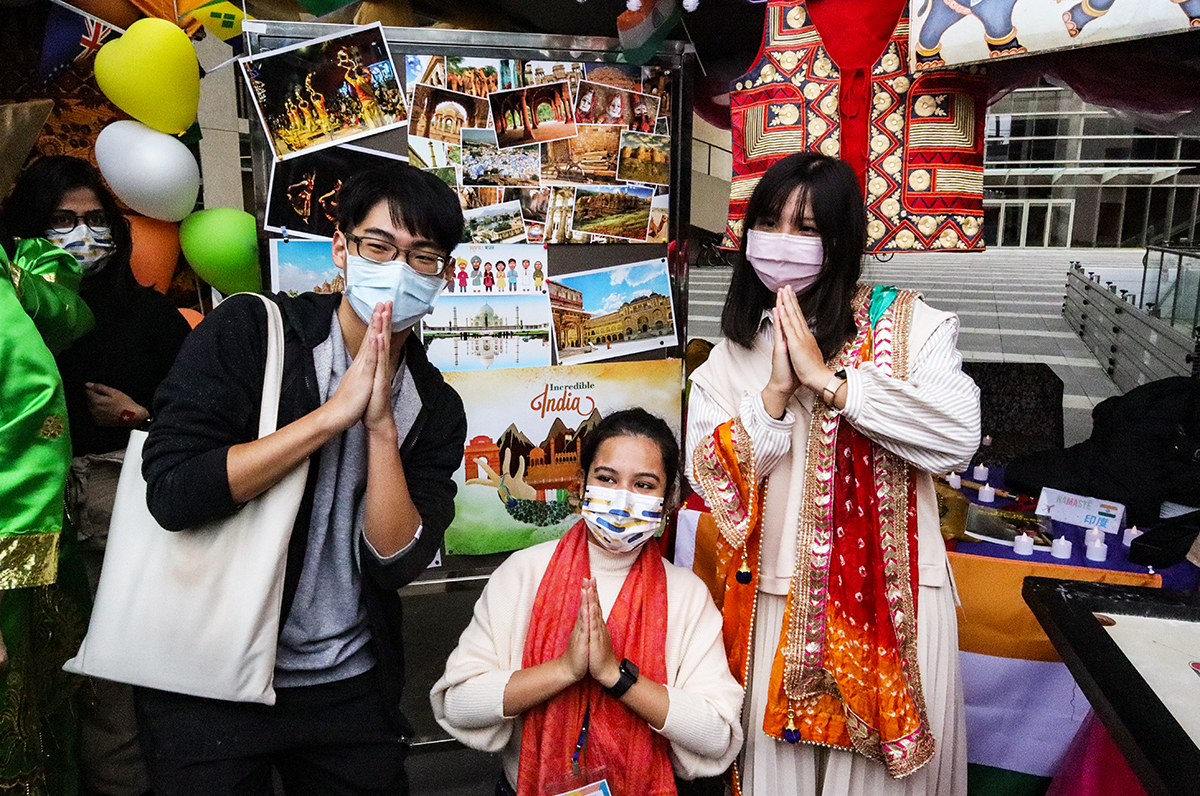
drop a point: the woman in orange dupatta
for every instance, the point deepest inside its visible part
(812, 432)
(591, 658)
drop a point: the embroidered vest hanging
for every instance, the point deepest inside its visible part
(915, 141)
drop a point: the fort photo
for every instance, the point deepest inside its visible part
(616, 211)
(499, 223)
(611, 312)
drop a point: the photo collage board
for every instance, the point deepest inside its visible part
(540, 153)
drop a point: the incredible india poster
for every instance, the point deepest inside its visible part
(535, 418)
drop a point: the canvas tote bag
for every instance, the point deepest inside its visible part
(196, 612)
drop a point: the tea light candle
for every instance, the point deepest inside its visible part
(954, 480)
(980, 472)
(987, 493)
(1131, 533)
(1093, 535)
(1097, 551)
(1061, 547)
(1023, 545)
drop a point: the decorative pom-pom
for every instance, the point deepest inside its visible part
(691, 5)
(634, 5)
(791, 736)
(743, 576)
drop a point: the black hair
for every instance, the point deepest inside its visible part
(634, 423)
(36, 196)
(6, 241)
(418, 201)
(836, 199)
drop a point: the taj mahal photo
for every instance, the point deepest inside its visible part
(484, 332)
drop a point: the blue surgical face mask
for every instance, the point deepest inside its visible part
(412, 294)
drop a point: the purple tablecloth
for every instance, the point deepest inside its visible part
(1182, 576)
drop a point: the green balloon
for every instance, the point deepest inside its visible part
(221, 244)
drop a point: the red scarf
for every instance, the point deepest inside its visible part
(635, 755)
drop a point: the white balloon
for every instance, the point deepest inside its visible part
(150, 171)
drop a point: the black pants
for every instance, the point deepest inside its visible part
(328, 739)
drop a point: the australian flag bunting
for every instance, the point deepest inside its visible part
(71, 36)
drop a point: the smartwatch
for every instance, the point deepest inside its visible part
(629, 676)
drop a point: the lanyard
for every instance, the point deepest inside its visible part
(581, 744)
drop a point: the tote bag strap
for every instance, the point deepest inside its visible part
(268, 410)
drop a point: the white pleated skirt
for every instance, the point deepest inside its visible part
(775, 768)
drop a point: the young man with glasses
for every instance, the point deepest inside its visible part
(384, 434)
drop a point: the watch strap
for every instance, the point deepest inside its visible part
(629, 676)
(835, 383)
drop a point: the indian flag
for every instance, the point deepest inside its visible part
(1023, 708)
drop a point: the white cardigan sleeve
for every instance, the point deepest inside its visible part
(770, 438)
(704, 718)
(932, 418)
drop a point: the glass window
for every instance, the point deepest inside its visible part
(1035, 224)
(1108, 226)
(991, 226)
(1014, 219)
(1156, 222)
(1060, 224)
(1133, 220)
(1181, 217)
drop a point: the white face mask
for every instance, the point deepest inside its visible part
(91, 247)
(621, 521)
(412, 294)
(781, 259)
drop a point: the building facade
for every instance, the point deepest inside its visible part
(644, 317)
(1059, 172)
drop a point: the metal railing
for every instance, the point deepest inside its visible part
(1171, 287)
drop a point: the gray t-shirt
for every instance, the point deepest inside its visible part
(325, 636)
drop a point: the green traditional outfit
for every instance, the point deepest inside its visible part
(42, 592)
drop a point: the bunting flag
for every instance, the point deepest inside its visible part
(642, 30)
(221, 18)
(71, 36)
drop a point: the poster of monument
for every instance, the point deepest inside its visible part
(524, 429)
(304, 266)
(488, 332)
(612, 312)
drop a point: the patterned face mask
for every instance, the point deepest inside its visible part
(621, 521)
(91, 247)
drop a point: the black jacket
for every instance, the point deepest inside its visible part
(209, 402)
(137, 336)
(1144, 449)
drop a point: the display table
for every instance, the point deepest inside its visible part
(1023, 708)
(1128, 684)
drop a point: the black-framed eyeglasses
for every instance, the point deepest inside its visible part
(67, 220)
(423, 261)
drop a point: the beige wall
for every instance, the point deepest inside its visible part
(712, 169)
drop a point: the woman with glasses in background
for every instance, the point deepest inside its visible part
(109, 377)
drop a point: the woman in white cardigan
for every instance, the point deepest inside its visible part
(812, 432)
(592, 658)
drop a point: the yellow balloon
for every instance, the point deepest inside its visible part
(152, 74)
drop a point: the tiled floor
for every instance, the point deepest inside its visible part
(1009, 304)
